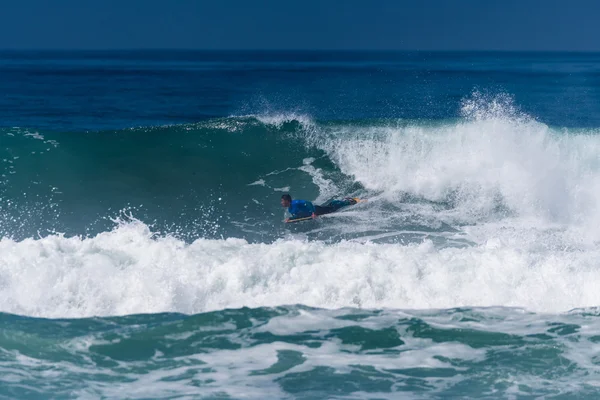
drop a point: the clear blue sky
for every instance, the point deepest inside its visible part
(572, 25)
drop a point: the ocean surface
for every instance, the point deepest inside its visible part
(143, 253)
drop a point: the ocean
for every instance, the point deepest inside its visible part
(143, 252)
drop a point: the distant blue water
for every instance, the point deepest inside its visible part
(143, 252)
(113, 90)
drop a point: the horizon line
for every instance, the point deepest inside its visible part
(133, 49)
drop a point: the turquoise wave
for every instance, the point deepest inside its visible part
(300, 352)
(223, 177)
(185, 179)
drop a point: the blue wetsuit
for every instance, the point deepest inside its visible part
(333, 206)
(301, 209)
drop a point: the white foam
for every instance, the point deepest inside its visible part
(278, 119)
(326, 187)
(129, 271)
(495, 158)
(35, 135)
(260, 182)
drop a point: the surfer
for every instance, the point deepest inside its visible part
(306, 209)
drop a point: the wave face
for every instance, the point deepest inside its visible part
(143, 251)
(196, 180)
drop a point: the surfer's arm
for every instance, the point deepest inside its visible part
(311, 208)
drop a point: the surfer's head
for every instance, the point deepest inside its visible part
(286, 200)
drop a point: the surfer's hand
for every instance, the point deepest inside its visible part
(287, 220)
(314, 215)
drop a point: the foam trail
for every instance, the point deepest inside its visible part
(326, 187)
(128, 271)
